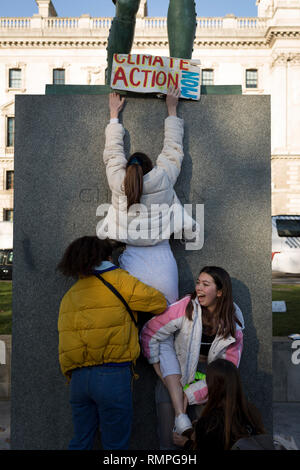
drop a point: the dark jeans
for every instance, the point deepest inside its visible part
(102, 396)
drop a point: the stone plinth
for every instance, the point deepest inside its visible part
(60, 180)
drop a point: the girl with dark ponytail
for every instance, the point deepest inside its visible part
(138, 185)
(138, 165)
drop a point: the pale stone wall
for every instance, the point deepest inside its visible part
(285, 184)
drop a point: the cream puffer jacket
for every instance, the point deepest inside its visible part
(155, 224)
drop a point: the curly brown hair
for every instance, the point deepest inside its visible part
(83, 255)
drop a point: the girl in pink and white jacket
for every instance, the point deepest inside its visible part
(206, 325)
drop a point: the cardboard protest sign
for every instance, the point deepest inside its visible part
(154, 74)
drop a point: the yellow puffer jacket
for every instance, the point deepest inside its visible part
(95, 327)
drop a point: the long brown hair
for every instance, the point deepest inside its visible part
(224, 319)
(225, 392)
(83, 255)
(138, 165)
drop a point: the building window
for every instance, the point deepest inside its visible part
(9, 180)
(8, 215)
(58, 77)
(10, 137)
(207, 77)
(15, 78)
(251, 78)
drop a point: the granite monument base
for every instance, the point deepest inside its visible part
(60, 181)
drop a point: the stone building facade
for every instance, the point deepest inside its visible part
(262, 54)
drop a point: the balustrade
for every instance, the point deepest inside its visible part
(15, 23)
(61, 23)
(210, 23)
(155, 23)
(251, 23)
(101, 23)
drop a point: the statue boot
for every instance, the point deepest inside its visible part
(121, 33)
(181, 28)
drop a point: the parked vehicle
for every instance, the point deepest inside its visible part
(6, 260)
(6, 250)
(286, 244)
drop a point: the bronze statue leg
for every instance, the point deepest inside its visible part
(181, 28)
(121, 33)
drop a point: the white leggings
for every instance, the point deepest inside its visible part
(153, 265)
(156, 267)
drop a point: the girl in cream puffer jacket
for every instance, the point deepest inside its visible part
(157, 183)
(137, 184)
(148, 255)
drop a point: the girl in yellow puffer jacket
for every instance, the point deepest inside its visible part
(98, 341)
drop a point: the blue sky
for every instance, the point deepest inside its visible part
(106, 7)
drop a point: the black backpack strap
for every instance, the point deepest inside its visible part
(117, 293)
